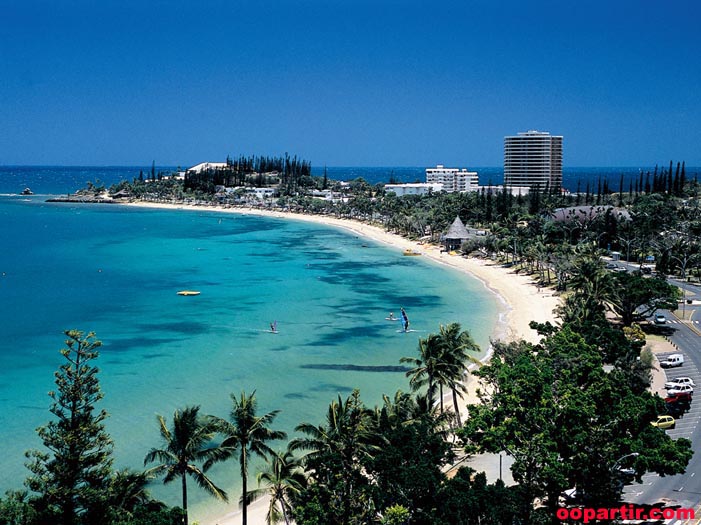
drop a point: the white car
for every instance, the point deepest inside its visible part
(680, 389)
(672, 361)
(660, 319)
(679, 381)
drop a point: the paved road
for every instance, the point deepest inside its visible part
(683, 489)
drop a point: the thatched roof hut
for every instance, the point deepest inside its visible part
(456, 234)
(122, 194)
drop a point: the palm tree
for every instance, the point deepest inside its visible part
(248, 433)
(283, 479)
(129, 490)
(348, 432)
(346, 439)
(186, 443)
(425, 369)
(455, 345)
(441, 362)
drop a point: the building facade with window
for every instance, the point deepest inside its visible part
(452, 179)
(533, 159)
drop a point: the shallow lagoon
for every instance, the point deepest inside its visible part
(116, 271)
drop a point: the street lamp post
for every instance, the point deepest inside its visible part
(616, 465)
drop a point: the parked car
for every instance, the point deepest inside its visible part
(664, 422)
(679, 381)
(611, 266)
(677, 409)
(680, 389)
(680, 397)
(672, 361)
(573, 496)
(660, 319)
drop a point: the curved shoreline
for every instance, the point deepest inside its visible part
(519, 300)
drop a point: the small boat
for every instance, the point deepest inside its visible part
(27, 191)
(188, 292)
(411, 253)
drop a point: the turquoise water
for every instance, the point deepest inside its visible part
(116, 270)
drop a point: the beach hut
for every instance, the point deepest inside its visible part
(122, 194)
(456, 234)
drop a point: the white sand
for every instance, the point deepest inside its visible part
(521, 300)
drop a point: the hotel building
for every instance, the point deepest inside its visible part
(533, 159)
(452, 179)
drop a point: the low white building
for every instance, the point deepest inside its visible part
(513, 190)
(453, 179)
(417, 188)
(204, 166)
(261, 193)
(327, 195)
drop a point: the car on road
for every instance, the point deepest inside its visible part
(664, 422)
(679, 381)
(680, 389)
(660, 319)
(672, 361)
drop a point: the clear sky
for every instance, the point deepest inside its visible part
(348, 83)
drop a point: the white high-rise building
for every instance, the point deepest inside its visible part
(452, 179)
(533, 159)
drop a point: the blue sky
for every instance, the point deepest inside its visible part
(348, 83)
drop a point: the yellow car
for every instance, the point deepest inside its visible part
(664, 422)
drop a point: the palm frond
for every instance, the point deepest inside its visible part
(204, 482)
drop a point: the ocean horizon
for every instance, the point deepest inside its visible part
(56, 180)
(115, 270)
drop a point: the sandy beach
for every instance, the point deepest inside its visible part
(521, 301)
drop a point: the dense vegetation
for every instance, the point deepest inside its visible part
(551, 406)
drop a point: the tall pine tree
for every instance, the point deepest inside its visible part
(71, 478)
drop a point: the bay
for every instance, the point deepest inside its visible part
(116, 270)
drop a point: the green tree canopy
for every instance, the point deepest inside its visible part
(186, 443)
(71, 478)
(248, 433)
(635, 297)
(565, 421)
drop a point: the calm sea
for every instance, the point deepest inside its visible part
(57, 180)
(116, 271)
